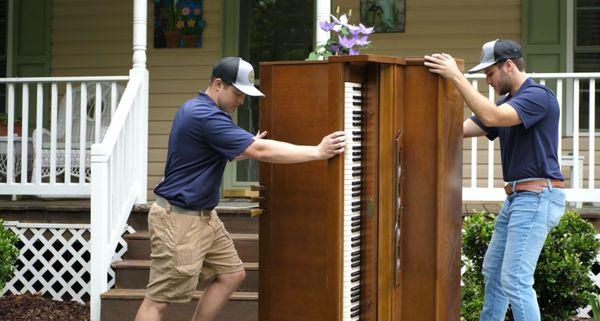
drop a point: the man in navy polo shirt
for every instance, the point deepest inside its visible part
(526, 120)
(187, 237)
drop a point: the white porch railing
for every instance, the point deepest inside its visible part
(54, 160)
(119, 165)
(582, 185)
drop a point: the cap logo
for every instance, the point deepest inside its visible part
(251, 76)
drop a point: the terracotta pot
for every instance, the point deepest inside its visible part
(172, 39)
(190, 41)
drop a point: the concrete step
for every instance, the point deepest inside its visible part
(122, 305)
(133, 274)
(138, 246)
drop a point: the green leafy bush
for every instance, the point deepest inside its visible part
(595, 304)
(8, 254)
(562, 281)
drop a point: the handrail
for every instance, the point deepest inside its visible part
(61, 79)
(550, 75)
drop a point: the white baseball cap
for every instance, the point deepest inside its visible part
(238, 73)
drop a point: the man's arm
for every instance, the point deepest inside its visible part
(486, 111)
(471, 129)
(273, 151)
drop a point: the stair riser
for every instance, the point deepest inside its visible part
(130, 278)
(234, 223)
(139, 249)
(125, 310)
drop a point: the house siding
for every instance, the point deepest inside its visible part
(94, 38)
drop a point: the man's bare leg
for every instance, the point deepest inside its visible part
(151, 310)
(217, 294)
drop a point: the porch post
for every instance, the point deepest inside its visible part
(140, 17)
(323, 12)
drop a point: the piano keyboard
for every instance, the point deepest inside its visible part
(352, 201)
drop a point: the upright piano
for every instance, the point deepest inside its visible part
(374, 233)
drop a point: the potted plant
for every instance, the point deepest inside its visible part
(191, 23)
(346, 39)
(4, 125)
(170, 15)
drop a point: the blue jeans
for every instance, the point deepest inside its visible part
(520, 231)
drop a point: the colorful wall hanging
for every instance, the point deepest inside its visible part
(178, 23)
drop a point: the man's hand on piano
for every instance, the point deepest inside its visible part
(332, 144)
(443, 65)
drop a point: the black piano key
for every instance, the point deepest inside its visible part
(356, 167)
(354, 300)
(356, 244)
(354, 239)
(357, 174)
(354, 224)
(357, 132)
(356, 159)
(356, 147)
(356, 279)
(355, 203)
(356, 183)
(354, 230)
(356, 153)
(355, 218)
(355, 259)
(356, 273)
(357, 103)
(355, 308)
(357, 97)
(356, 139)
(356, 117)
(355, 288)
(356, 209)
(355, 253)
(354, 189)
(355, 265)
(356, 194)
(355, 314)
(356, 88)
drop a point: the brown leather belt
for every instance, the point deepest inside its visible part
(535, 186)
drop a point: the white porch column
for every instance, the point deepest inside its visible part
(140, 17)
(323, 12)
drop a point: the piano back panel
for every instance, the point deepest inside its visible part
(300, 231)
(431, 198)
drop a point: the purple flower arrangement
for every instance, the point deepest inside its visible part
(346, 39)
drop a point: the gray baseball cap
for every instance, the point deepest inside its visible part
(238, 73)
(496, 51)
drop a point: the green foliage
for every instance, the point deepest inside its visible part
(8, 254)
(562, 281)
(595, 304)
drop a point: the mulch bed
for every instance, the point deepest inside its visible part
(29, 307)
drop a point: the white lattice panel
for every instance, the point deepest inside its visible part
(54, 260)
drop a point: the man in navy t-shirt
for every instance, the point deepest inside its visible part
(526, 120)
(187, 237)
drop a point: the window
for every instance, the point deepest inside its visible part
(586, 54)
(270, 30)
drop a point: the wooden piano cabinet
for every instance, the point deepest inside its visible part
(411, 192)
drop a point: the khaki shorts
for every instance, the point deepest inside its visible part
(183, 246)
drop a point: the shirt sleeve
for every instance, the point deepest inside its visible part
(492, 132)
(225, 137)
(530, 105)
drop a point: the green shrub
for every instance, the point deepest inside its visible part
(562, 281)
(595, 304)
(8, 254)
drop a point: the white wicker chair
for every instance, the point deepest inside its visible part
(75, 130)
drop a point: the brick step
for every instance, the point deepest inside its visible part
(138, 246)
(122, 305)
(236, 221)
(133, 274)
